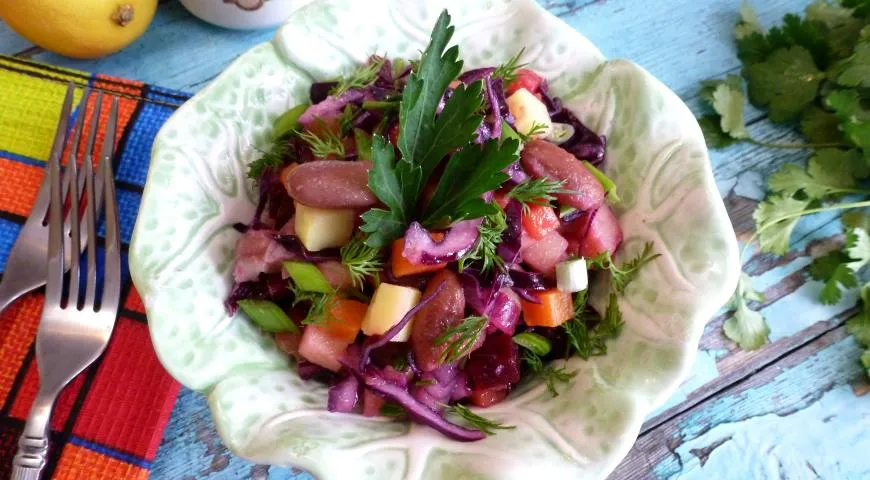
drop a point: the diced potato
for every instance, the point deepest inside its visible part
(571, 275)
(389, 304)
(529, 112)
(320, 347)
(320, 228)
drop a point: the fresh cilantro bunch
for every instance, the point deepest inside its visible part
(812, 73)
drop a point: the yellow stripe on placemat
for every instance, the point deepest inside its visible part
(30, 101)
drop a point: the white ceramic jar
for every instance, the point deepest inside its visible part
(244, 14)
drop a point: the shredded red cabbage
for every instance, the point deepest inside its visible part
(421, 249)
(476, 74)
(528, 280)
(584, 144)
(293, 244)
(344, 395)
(511, 238)
(331, 106)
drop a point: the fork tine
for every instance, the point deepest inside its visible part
(91, 206)
(54, 270)
(74, 218)
(112, 264)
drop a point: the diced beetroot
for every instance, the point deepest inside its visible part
(543, 255)
(604, 234)
(336, 274)
(288, 343)
(486, 397)
(372, 403)
(527, 79)
(321, 348)
(495, 364)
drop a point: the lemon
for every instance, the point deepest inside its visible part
(79, 28)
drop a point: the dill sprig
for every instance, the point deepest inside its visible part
(621, 276)
(319, 303)
(538, 191)
(507, 71)
(485, 249)
(551, 375)
(361, 260)
(363, 77)
(275, 156)
(474, 420)
(537, 127)
(325, 144)
(587, 340)
(460, 338)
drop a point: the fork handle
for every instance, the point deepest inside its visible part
(33, 444)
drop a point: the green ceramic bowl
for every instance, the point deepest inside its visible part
(181, 257)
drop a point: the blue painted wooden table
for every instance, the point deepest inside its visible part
(794, 409)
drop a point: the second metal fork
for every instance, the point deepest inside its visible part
(75, 328)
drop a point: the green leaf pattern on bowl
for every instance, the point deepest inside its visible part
(181, 255)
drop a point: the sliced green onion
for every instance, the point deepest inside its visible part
(606, 182)
(307, 277)
(268, 316)
(533, 342)
(288, 121)
(363, 144)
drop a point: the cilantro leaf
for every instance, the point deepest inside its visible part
(865, 360)
(830, 171)
(728, 102)
(714, 136)
(746, 326)
(855, 71)
(859, 325)
(843, 278)
(842, 27)
(396, 184)
(858, 248)
(822, 268)
(855, 120)
(468, 175)
(820, 126)
(862, 7)
(775, 219)
(855, 219)
(748, 23)
(785, 83)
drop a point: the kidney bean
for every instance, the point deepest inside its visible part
(444, 311)
(331, 184)
(542, 159)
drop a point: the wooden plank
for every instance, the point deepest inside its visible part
(797, 418)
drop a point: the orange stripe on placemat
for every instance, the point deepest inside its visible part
(18, 327)
(118, 85)
(27, 393)
(126, 107)
(78, 463)
(19, 185)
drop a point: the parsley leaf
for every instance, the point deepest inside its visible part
(621, 276)
(775, 219)
(397, 185)
(855, 120)
(858, 248)
(785, 83)
(830, 171)
(474, 420)
(746, 326)
(468, 175)
(839, 269)
(842, 278)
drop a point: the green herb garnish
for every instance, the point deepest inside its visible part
(319, 303)
(621, 276)
(485, 250)
(361, 260)
(507, 71)
(586, 338)
(392, 410)
(268, 316)
(363, 77)
(474, 420)
(533, 342)
(538, 191)
(275, 157)
(460, 338)
(324, 144)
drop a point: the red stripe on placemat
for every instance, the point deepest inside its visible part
(27, 394)
(130, 400)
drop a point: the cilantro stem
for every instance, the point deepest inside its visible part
(830, 208)
(796, 146)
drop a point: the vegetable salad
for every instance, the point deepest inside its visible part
(424, 238)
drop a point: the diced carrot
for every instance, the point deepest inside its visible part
(401, 265)
(539, 220)
(555, 309)
(485, 397)
(346, 317)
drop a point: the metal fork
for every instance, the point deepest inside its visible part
(73, 332)
(25, 268)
